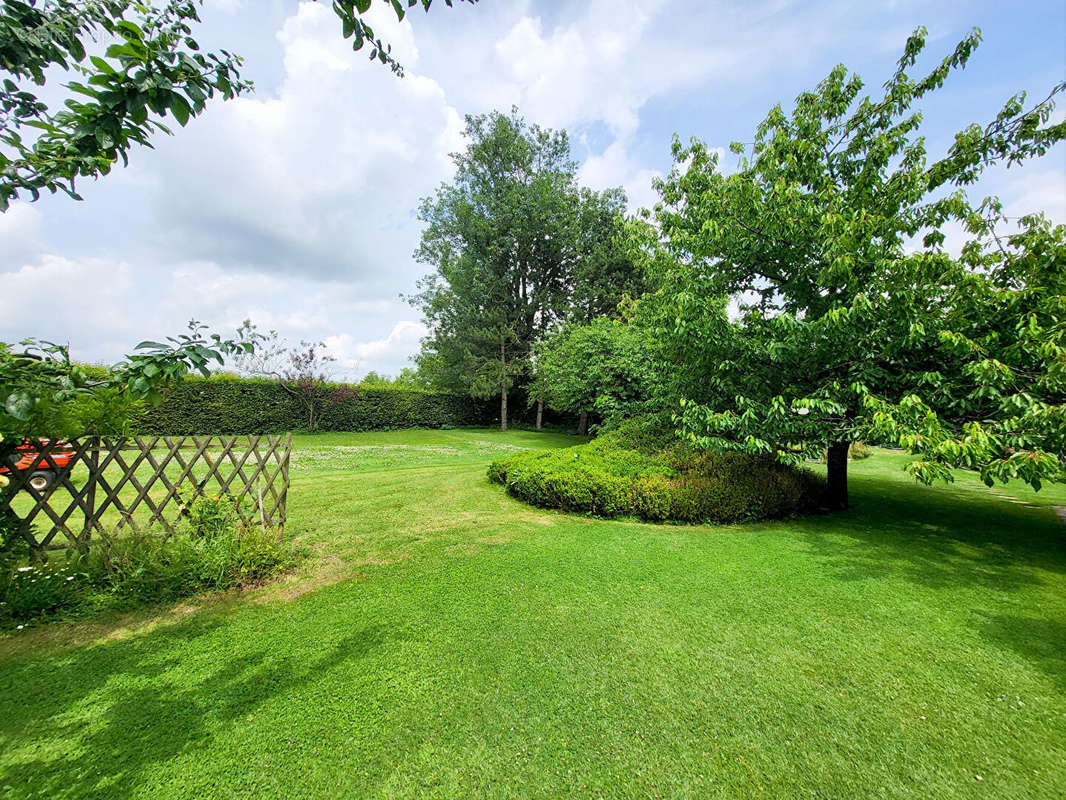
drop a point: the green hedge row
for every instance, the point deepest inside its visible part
(229, 405)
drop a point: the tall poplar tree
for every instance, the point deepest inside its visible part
(516, 248)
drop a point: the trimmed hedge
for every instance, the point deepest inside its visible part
(226, 404)
(641, 470)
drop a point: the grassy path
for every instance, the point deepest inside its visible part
(446, 641)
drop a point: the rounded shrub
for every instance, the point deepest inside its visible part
(641, 470)
(858, 451)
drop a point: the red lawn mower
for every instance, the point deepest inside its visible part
(43, 472)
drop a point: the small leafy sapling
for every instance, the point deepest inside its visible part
(303, 371)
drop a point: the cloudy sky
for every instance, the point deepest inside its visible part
(296, 205)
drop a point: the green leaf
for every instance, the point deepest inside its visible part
(130, 29)
(81, 89)
(20, 405)
(180, 108)
(102, 65)
(119, 50)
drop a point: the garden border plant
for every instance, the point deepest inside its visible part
(216, 549)
(43, 394)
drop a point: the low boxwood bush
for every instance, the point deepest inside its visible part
(642, 470)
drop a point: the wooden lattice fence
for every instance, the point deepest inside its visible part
(101, 485)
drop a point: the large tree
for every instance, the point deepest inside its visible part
(807, 298)
(152, 68)
(507, 240)
(605, 272)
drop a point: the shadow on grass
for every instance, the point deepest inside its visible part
(940, 539)
(1041, 642)
(146, 720)
(937, 538)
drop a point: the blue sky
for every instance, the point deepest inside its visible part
(295, 206)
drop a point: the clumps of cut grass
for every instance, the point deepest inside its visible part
(346, 457)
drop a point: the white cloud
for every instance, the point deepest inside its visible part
(48, 299)
(320, 179)
(601, 66)
(603, 62)
(295, 206)
(616, 167)
(1034, 191)
(384, 356)
(21, 221)
(542, 71)
(20, 233)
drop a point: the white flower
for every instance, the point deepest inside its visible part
(25, 569)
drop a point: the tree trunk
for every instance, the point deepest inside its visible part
(583, 424)
(503, 388)
(540, 415)
(837, 470)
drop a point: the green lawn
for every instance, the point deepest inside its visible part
(443, 640)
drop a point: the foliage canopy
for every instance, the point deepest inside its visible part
(151, 69)
(850, 318)
(609, 366)
(45, 394)
(516, 248)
